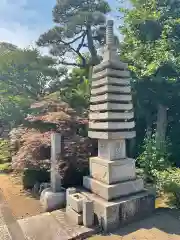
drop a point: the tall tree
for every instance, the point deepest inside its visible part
(151, 45)
(80, 25)
(25, 76)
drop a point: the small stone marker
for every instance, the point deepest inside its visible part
(88, 213)
(56, 143)
(54, 198)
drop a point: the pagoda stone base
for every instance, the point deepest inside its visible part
(110, 172)
(113, 191)
(113, 214)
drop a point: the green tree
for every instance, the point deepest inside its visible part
(151, 46)
(80, 27)
(75, 89)
(25, 76)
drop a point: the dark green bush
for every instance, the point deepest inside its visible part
(31, 176)
(152, 158)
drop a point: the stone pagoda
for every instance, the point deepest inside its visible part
(117, 193)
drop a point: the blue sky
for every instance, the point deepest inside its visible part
(22, 21)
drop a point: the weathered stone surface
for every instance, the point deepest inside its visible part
(69, 191)
(114, 191)
(110, 97)
(88, 213)
(110, 115)
(43, 226)
(109, 63)
(52, 200)
(74, 231)
(116, 213)
(111, 135)
(75, 201)
(111, 80)
(108, 106)
(55, 226)
(111, 125)
(110, 172)
(111, 149)
(76, 218)
(111, 73)
(110, 88)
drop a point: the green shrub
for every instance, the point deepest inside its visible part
(5, 155)
(31, 176)
(5, 167)
(152, 158)
(168, 181)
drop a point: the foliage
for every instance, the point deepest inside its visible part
(168, 181)
(5, 167)
(151, 46)
(32, 176)
(80, 27)
(5, 155)
(152, 158)
(25, 76)
(76, 89)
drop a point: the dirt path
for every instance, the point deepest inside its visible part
(20, 202)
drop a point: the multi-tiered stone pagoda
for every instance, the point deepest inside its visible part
(118, 195)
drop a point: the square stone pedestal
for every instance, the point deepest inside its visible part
(113, 191)
(113, 214)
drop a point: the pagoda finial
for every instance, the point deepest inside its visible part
(109, 33)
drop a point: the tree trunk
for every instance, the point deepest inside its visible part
(161, 126)
(91, 47)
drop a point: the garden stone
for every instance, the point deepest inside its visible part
(54, 198)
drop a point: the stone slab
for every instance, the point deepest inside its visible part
(111, 125)
(75, 201)
(77, 218)
(110, 80)
(110, 172)
(110, 115)
(108, 106)
(111, 149)
(114, 214)
(74, 231)
(111, 135)
(113, 191)
(110, 88)
(111, 73)
(111, 97)
(42, 226)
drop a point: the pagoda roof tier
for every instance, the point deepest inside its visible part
(111, 63)
(109, 72)
(111, 89)
(111, 115)
(111, 125)
(109, 97)
(111, 135)
(109, 106)
(110, 80)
